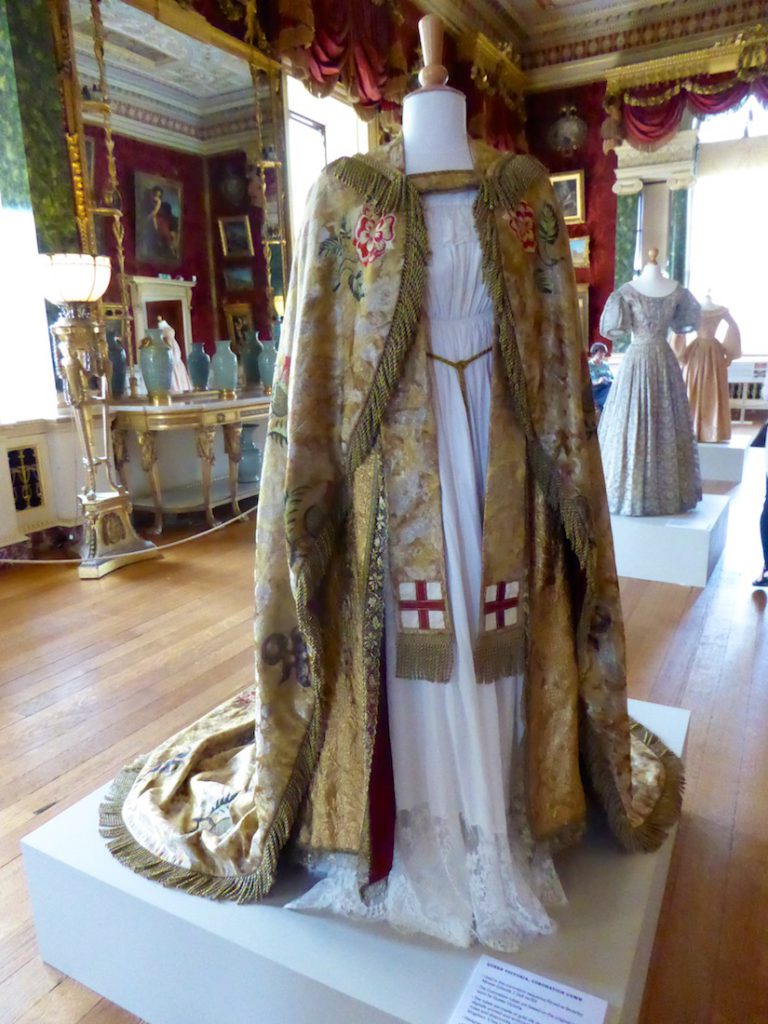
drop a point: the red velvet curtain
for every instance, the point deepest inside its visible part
(354, 42)
(652, 114)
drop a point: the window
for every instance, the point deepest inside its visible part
(729, 225)
(750, 120)
(27, 388)
(319, 131)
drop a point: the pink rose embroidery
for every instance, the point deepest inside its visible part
(373, 236)
(523, 224)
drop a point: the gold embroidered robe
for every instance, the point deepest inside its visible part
(350, 479)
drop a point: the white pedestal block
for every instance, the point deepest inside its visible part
(723, 461)
(171, 958)
(680, 549)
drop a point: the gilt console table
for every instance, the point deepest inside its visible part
(177, 444)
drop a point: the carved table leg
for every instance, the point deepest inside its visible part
(148, 446)
(120, 451)
(232, 438)
(206, 437)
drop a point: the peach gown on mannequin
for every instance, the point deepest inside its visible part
(705, 363)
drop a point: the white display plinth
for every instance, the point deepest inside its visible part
(680, 549)
(723, 462)
(171, 958)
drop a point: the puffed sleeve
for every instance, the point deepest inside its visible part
(732, 339)
(687, 313)
(615, 319)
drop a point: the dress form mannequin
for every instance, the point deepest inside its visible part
(704, 362)
(435, 116)
(650, 460)
(651, 281)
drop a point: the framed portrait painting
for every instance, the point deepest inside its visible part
(236, 237)
(158, 219)
(239, 320)
(569, 189)
(580, 251)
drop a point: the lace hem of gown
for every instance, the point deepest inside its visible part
(454, 882)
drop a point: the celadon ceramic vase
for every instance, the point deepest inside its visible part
(249, 467)
(224, 367)
(252, 349)
(118, 360)
(199, 366)
(268, 357)
(156, 362)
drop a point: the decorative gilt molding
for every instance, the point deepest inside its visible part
(496, 70)
(712, 61)
(753, 54)
(69, 88)
(193, 24)
(82, 213)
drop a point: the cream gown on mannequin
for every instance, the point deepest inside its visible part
(464, 866)
(705, 363)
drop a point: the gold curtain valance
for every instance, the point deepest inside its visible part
(746, 57)
(687, 84)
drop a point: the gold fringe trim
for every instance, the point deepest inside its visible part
(424, 656)
(373, 634)
(508, 182)
(254, 886)
(498, 654)
(651, 834)
(389, 192)
(122, 846)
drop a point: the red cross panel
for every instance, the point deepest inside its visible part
(422, 605)
(500, 605)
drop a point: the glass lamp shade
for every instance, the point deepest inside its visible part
(74, 277)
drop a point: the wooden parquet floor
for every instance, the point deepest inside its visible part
(93, 673)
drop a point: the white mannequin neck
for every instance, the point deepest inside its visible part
(652, 282)
(435, 131)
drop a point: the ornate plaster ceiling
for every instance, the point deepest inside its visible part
(140, 49)
(548, 33)
(164, 86)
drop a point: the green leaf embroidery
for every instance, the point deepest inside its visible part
(547, 224)
(356, 284)
(330, 247)
(543, 278)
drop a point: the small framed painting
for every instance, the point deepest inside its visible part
(580, 251)
(239, 320)
(569, 189)
(236, 237)
(582, 291)
(158, 219)
(238, 279)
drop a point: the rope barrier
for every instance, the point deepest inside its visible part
(160, 547)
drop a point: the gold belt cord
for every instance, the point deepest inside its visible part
(460, 367)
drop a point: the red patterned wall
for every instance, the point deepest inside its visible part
(132, 156)
(229, 198)
(600, 225)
